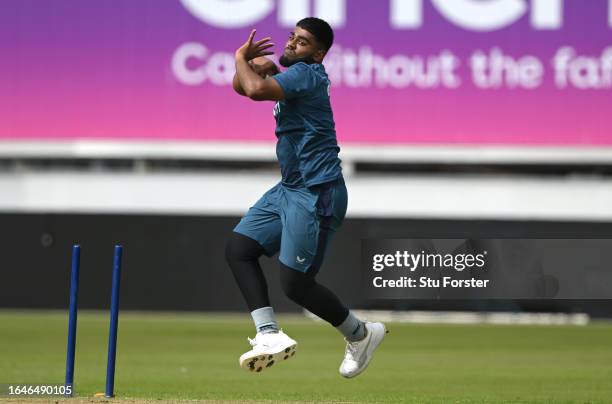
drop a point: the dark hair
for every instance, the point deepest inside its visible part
(320, 29)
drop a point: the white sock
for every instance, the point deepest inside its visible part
(352, 328)
(264, 320)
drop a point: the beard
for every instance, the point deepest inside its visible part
(286, 62)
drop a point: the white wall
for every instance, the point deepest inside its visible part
(231, 193)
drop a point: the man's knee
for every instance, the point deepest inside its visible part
(242, 248)
(295, 284)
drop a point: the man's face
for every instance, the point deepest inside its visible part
(301, 46)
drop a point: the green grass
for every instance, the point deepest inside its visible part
(195, 356)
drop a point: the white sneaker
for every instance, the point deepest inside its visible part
(268, 349)
(358, 354)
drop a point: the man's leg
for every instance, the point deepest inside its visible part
(258, 233)
(305, 236)
(304, 290)
(242, 254)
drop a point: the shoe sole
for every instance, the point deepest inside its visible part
(262, 361)
(371, 349)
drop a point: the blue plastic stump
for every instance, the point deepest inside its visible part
(72, 317)
(114, 322)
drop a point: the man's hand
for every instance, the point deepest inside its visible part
(251, 50)
(264, 67)
(251, 83)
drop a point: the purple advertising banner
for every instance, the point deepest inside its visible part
(491, 72)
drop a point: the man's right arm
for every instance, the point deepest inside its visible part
(237, 86)
(262, 66)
